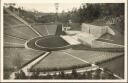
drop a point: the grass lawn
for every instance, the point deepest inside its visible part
(31, 44)
(51, 42)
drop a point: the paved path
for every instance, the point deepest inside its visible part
(15, 37)
(8, 44)
(13, 43)
(71, 40)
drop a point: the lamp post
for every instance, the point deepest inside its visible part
(56, 7)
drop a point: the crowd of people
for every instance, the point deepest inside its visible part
(92, 74)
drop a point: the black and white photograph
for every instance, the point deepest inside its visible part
(63, 41)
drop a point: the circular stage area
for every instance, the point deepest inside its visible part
(48, 43)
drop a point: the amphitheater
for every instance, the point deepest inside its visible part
(40, 46)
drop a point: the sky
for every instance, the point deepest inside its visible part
(48, 7)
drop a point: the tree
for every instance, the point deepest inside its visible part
(62, 75)
(22, 75)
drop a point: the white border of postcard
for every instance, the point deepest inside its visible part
(63, 1)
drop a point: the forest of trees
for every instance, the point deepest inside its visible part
(88, 13)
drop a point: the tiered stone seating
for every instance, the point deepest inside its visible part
(16, 57)
(58, 60)
(12, 39)
(94, 56)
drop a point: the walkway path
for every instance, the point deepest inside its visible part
(15, 37)
(8, 44)
(71, 40)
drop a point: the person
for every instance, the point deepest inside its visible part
(22, 74)
(17, 75)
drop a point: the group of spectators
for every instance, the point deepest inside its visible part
(93, 74)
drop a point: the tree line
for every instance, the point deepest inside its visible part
(85, 13)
